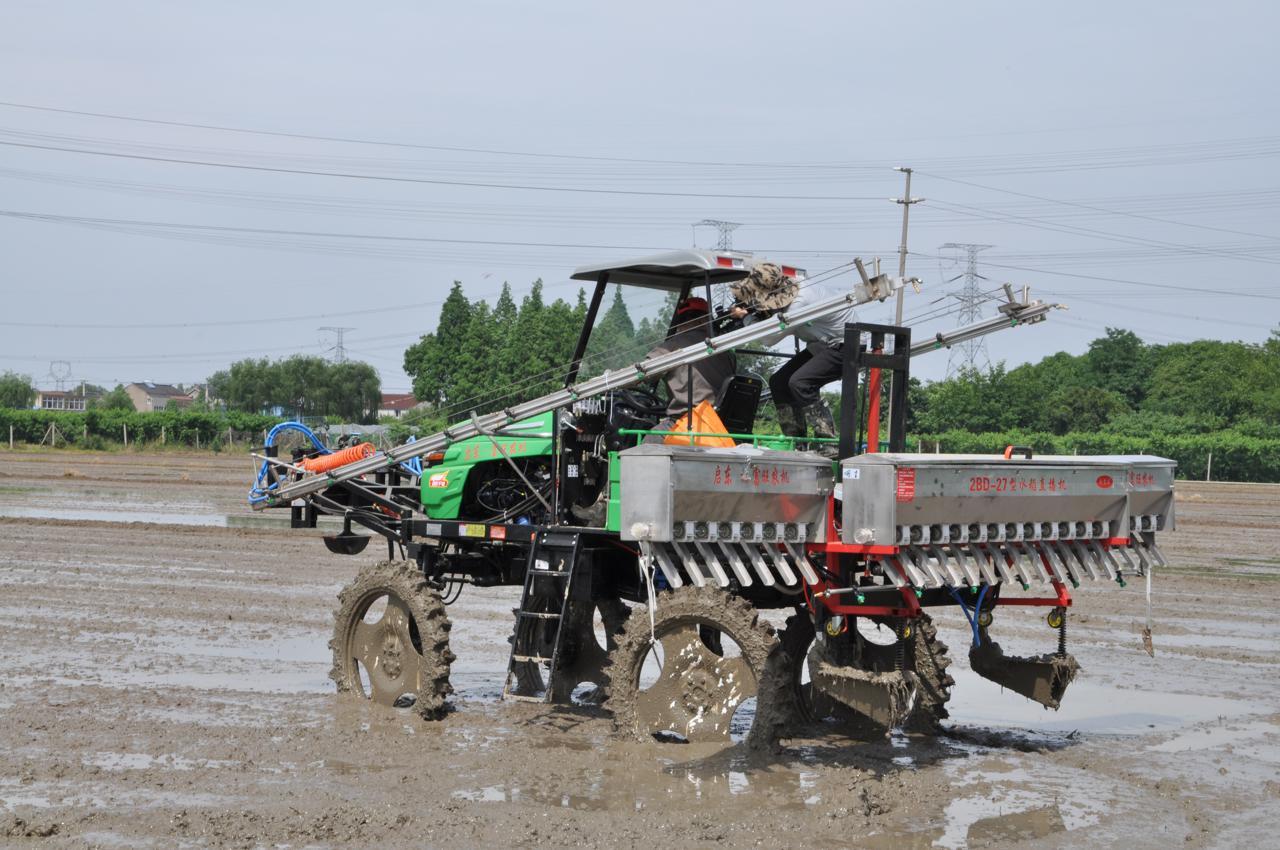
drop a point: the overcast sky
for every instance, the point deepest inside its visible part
(1120, 157)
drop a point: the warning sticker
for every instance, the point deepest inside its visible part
(907, 484)
(472, 530)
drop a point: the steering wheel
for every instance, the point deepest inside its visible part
(641, 399)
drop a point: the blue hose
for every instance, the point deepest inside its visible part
(258, 493)
(977, 609)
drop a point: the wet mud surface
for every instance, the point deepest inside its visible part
(163, 683)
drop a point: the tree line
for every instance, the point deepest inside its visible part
(300, 386)
(1120, 384)
(483, 358)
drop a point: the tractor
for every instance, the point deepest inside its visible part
(677, 549)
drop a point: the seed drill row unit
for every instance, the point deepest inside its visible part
(555, 495)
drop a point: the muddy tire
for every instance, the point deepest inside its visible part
(925, 655)
(930, 659)
(405, 653)
(795, 639)
(697, 691)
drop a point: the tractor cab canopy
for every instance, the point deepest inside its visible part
(646, 291)
(676, 271)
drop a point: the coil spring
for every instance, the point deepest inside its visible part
(900, 658)
(1062, 636)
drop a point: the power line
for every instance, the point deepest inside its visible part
(1171, 286)
(390, 178)
(1075, 230)
(1089, 158)
(1083, 206)
(315, 234)
(419, 146)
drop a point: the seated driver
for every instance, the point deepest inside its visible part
(689, 326)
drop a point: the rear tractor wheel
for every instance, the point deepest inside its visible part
(391, 640)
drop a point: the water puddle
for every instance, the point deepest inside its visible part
(1216, 641)
(1217, 737)
(1087, 707)
(144, 761)
(1016, 816)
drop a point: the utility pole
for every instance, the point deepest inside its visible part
(971, 353)
(338, 349)
(906, 201)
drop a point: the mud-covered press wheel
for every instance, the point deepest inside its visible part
(696, 691)
(930, 660)
(924, 654)
(391, 640)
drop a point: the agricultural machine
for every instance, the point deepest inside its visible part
(653, 600)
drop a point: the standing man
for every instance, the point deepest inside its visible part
(689, 327)
(796, 386)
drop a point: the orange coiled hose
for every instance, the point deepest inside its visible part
(342, 457)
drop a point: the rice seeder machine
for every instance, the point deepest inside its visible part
(645, 567)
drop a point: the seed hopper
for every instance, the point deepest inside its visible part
(645, 567)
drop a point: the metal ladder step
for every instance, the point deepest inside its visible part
(531, 640)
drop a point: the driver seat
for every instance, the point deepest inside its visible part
(737, 402)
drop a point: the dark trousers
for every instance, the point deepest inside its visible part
(797, 383)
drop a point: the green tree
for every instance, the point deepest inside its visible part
(16, 391)
(435, 360)
(1119, 362)
(1082, 409)
(355, 392)
(476, 384)
(117, 399)
(301, 385)
(1208, 377)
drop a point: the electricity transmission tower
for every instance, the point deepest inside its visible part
(971, 354)
(338, 351)
(60, 371)
(725, 228)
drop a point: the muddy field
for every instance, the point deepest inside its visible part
(163, 683)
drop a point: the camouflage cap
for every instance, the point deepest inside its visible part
(766, 288)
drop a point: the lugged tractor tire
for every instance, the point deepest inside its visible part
(407, 650)
(795, 639)
(930, 659)
(680, 609)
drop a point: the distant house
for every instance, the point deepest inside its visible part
(147, 396)
(60, 400)
(396, 404)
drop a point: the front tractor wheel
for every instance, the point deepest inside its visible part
(391, 640)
